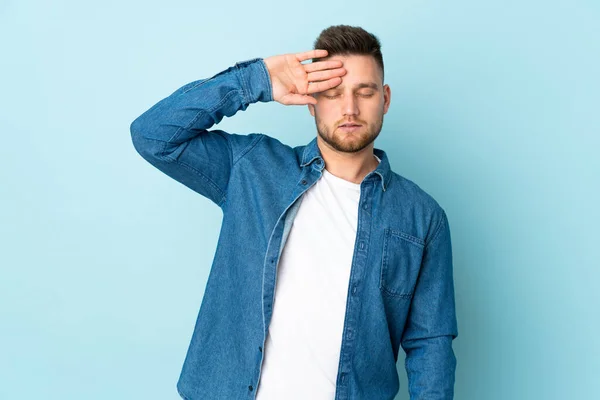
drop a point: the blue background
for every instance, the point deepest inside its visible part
(104, 259)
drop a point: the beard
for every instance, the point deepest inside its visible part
(360, 139)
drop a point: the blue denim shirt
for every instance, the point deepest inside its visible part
(400, 292)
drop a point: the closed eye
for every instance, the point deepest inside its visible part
(365, 95)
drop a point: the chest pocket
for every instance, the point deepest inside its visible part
(402, 255)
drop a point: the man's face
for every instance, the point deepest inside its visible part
(350, 116)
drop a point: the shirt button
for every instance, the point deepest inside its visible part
(365, 206)
(250, 388)
(304, 181)
(354, 290)
(260, 349)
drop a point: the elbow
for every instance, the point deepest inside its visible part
(138, 130)
(146, 147)
(137, 137)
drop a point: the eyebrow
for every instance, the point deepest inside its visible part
(370, 85)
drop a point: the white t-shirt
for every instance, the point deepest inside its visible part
(303, 345)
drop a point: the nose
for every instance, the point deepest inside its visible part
(350, 105)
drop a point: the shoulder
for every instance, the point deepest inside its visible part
(412, 192)
(268, 145)
(411, 200)
(264, 148)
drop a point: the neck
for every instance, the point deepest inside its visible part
(352, 167)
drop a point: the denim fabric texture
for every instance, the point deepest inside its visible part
(401, 289)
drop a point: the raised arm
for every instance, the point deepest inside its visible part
(173, 135)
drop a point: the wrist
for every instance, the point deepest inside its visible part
(255, 80)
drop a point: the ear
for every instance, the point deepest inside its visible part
(311, 109)
(387, 98)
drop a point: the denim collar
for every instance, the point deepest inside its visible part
(383, 170)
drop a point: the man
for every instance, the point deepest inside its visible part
(327, 260)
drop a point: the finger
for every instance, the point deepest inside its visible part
(311, 54)
(316, 87)
(324, 75)
(321, 65)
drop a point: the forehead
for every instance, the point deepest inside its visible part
(359, 68)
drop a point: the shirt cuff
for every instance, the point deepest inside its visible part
(255, 80)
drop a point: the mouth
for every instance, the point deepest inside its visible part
(349, 127)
